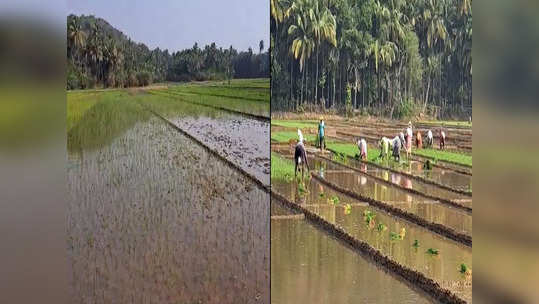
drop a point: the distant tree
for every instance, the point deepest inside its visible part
(100, 54)
(261, 46)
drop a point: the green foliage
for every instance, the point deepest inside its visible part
(381, 227)
(443, 155)
(463, 268)
(286, 136)
(369, 216)
(102, 56)
(433, 251)
(398, 236)
(301, 188)
(347, 209)
(416, 244)
(405, 109)
(384, 52)
(351, 150)
(217, 94)
(281, 168)
(334, 200)
(299, 124)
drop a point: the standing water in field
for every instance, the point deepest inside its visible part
(243, 141)
(310, 266)
(153, 217)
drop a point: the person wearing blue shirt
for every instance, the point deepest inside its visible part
(321, 140)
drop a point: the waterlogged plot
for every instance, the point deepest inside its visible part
(430, 210)
(443, 176)
(405, 181)
(394, 237)
(153, 217)
(243, 141)
(310, 266)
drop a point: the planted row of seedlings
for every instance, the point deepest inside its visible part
(416, 278)
(403, 182)
(309, 264)
(240, 109)
(402, 240)
(130, 237)
(364, 187)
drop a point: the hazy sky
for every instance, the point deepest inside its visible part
(178, 24)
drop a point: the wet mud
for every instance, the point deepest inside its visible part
(155, 218)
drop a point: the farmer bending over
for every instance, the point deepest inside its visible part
(409, 136)
(300, 157)
(419, 140)
(397, 145)
(429, 139)
(442, 139)
(384, 147)
(362, 145)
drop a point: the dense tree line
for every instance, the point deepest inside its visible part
(386, 57)
(98, 55)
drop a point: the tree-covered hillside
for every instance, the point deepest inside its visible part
(98, 55)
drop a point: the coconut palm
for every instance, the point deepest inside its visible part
(76, 36)
(324, 29)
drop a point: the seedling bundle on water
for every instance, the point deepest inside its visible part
(334, 200)
(347, 209)
(398, 236)
(465, 270)
(433, 251)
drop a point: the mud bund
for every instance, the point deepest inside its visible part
(413, 277)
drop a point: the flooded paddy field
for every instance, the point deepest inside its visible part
(407, 182)
(310, 265)
(414, 246)
(349, 214)
(242, 140)
(432, 211)
(154, 217)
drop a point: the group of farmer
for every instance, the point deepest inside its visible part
(404, 141)
(401, 141)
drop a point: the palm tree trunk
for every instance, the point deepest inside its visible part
(316, 81)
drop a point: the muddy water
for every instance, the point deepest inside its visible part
(241, 140)
(407, 182)
(443, 268)
(309, 266)
(153, 218)
(430, 210)
(442, 176)
(278, 209)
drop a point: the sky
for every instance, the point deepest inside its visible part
(178, 24)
